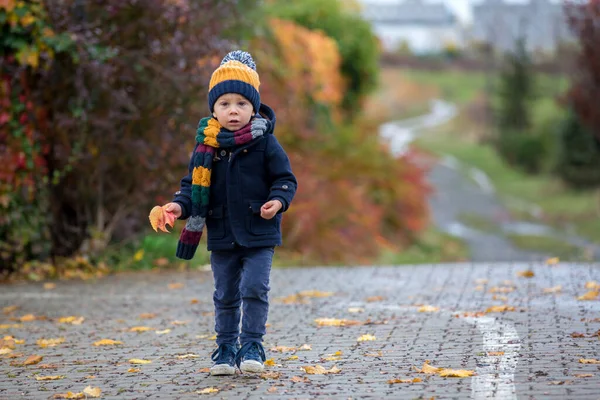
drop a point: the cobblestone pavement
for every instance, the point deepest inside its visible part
(528, 353)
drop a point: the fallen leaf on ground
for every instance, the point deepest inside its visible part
(69, 395)
(414, 380)
(502, 308)
(589, 361)
(270, 375)
(593, 285)
(194, 301)
(269, 362)
(32, 360)
(373, 299)
(71, 320)
(355, 310)
(591, 295)
(455, 373)
(48, 366)
(204, 370)
(140, 329)
(147, 316)
(526, 274)
(174, 286)
(107, 342)
(378, 354)
(366, 338)
(49, 285)
(163, 332)
(502, 289)
(470, 314)
(428, 369)
(292, 358)
(283, 349)
(320, 370)
(27, 318)
(183, 357)
(554, 289)
(49, 378)
(9, 309)
(176, 322)
(335, 322)
(50, 342)
(315, 293)
(208, 390)
(5, 350)
(495, 353)
(583, 375)
(92, 391)
(134, 370)
(10, 326)
(298, 379)
(577, 335)
(139, 361)
(427, 308)
(334, 357)
(305, 347)
(499, 298)
(552, 261)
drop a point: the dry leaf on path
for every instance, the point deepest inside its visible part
(305, 347)
(335, 322)
(49, 378)
(577, 335)
(583, 375)
(283, 349)
(315, 293)
(174, 286)
(592, 285)
(27, 318)
(71, 320)
(269, 362)
(373, 299)
(69, 395)
(428, 369)
(10, 309)
(320, 370)
(414, 380)
(271, 375)
(589, 361)
(49, 285)
(32, 360)
(134, 370)
(50, 342)
(591, 295)
(502, 308)
(455, 373)
(92, 391)
(139, 361)
(526, 274)
(107, 342)
(554, 289)
(552, 261)
(427, 308)
(366, 338)
(495, 353)
(208, 390)
(298, 379)
(140, 329)
(163, 332)
(191, 355)
(355, 310)
(5, 350)
(147, 316)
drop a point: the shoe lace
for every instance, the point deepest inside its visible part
(223, 352)
(252, 350)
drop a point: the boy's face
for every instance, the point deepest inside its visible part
(233, 111)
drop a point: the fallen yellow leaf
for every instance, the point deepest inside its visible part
(366, 338)
(320, 370)
(49, 285)
(140, 329)
(414, 380)
(495, 353)
(32, 360)
(584, 375)
(163, 332)
(591, 295)
(283, 349)
(428, 369)
(335, 322)
(69, 395)
(554, 289)
(183, 357)
(593, 285)
(526, 274)
(315, 293)
(552, 261)
(134, 370)
(92, 391)
(27, 318)
(50, 342)
(194, 301)
(355, 310)
(305, 347)
(499, 298)
(455, 373)
(373, 299)
(5, 350)
(501, 289)
(269, 362)
(427, 308)
(294, 357)
(49, 378)
(177, 322)
(10, 326)
(147, 316)
(589, 361)
(174, 286)
(271, 375)
(71, 320)
(139, 361)
(107, 342)
(502, 308)
(208, 390)
(9, 309)
(297, 379)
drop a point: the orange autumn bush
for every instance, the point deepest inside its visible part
(353, 196)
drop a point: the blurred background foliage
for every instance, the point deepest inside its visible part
(100, 101)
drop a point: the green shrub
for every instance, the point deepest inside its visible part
(523, 150)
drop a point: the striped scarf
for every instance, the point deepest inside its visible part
(210, 136)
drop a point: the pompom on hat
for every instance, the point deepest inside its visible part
(236, 74)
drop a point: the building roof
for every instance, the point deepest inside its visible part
(540, 22)
(408, 12)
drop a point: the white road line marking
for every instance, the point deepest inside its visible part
(495, 377)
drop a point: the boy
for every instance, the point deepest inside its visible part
(239, 183)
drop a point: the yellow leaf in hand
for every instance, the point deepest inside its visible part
(160, 218)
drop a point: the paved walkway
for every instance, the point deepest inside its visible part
(528, 353)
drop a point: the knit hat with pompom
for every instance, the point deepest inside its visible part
(236, 74)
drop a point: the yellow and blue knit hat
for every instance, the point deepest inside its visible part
(236, 74)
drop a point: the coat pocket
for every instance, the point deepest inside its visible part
(215, 223)
(257, 225)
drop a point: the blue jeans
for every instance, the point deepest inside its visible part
(241, 279)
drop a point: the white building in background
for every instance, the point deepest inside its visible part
(423, 27)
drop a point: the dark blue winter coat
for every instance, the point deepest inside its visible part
(243, 178)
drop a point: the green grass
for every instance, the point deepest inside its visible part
(543, 244)
(455, 86)
(479, 223)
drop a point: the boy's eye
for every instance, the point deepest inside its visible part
(223, 103)
(242, 103)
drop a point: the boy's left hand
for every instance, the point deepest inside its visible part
(270, 208)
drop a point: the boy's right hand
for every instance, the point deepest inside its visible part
(174, 208)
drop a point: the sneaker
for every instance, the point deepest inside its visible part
(224, 358)
(250, 357)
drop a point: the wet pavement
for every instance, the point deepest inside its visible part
(530, 352)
